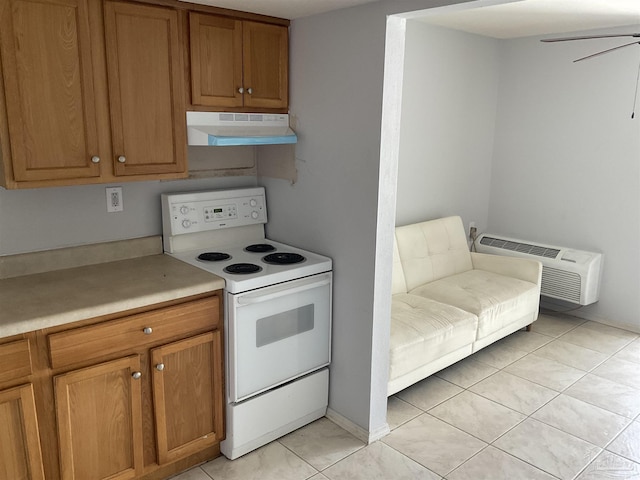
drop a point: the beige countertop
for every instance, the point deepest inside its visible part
(41, 300)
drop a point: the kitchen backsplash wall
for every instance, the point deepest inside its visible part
(47, 218)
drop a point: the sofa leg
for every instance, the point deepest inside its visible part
(528, 327)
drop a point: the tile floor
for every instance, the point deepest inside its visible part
(559, 402)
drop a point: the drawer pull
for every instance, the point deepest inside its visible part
(147, 330)
(136, 375)
(160, 367)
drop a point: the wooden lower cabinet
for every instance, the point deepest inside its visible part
(187, 391)
(20, 455)
(99, 412)
(136, 397)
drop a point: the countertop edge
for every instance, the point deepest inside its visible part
(39, 301)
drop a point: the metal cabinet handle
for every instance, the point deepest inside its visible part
(160, 367)
(122, 159)
(95, 159)
(241, 90)
(250, 91)
(136, 375)
(147, 330)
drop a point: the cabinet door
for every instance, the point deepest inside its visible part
(20, 455)
(146, 93)
(100, 421)
(48, 76)
(188, 395)
(216, 60)
(266, 65)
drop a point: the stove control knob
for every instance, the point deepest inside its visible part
(184, 209)
(254, 215)
(253, 202)
(186, 223)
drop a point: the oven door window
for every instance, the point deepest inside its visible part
(277, 334)
(284, 325)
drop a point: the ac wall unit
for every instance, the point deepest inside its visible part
(567, 274)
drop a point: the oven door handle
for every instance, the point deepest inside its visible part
(258, 298)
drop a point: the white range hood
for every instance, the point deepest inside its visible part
(229, 129)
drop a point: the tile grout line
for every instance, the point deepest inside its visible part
(529, 416)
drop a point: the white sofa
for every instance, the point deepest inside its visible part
(449, 302)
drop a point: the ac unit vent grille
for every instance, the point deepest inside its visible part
(520, 247)
(560, 284)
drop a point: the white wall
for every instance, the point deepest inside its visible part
(567, 160)
(448, 116)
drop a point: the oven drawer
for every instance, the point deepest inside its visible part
(15, 360)
(94, 341)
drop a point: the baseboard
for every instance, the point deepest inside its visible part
(356, 430)
(582, 312)
(605, 321)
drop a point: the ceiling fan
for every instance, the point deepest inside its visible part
(589, 37)
(602, 52)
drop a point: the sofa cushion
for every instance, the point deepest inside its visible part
(432, 250)
(497, 300)
(398, 284)
(423, 330)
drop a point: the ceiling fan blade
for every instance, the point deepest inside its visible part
(588, 37)
(606, 51)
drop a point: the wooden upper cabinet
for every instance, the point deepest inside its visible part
(266, 65)
(48, 73)
(236, 64)
(216, 60)
(146, 92)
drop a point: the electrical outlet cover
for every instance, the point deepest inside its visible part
(114, 199)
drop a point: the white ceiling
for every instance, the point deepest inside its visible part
(538, 17)
(507, 19)
(283, 8)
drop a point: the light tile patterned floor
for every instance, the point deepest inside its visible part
(560, 402)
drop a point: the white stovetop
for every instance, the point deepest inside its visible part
(269, 275)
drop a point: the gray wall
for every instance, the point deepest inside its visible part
(337, 70)
(47, 218)
(566, 169)
(448, 120)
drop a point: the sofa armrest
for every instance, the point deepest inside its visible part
(521, 268)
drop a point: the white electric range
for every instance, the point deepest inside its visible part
(277, 312)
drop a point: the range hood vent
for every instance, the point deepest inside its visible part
(228, 129)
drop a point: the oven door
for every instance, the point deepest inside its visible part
(277, 333)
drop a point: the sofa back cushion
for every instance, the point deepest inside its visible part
(398, 284)
(432, 250)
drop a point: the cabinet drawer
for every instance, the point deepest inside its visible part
(94, 341)
(15, 360)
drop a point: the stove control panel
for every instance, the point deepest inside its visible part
(194, 212)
